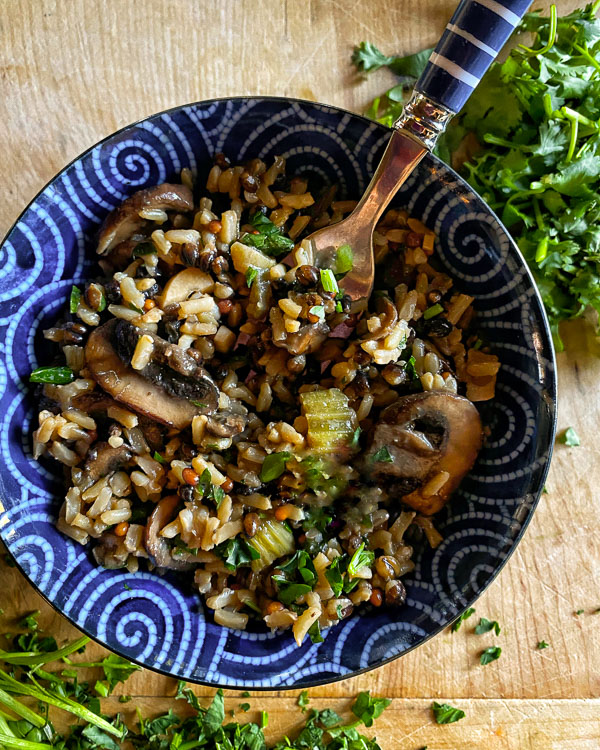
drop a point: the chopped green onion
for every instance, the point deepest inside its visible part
(344, 259)
(318, 310)
(144, 248)
(54, 375)
(432, 311)
(137, 309)
(74, 299)
(159, 458)
(328, 281)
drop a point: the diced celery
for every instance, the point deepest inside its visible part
(272, 541)
(331, 421)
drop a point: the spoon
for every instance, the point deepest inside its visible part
(471, 41)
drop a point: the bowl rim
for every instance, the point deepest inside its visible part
(551, 376)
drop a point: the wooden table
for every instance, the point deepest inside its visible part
(73, 72)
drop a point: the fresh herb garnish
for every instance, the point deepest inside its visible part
(54, 375)
(465, 615)
(410, 368)
(74, 299)
(274, 466)
(354, 443)
(360, 559)
(314, 633)
(328, 281)
(490, 654)
(367, 709)
(288, 591)
(569, 437)
(432, 311)
(269, 238)
(251, 274)
(383, 455)
(236, 552)
(533, 151)
(579, 611)
(244, 707)
(542, 644)
(486, 625)
(157, 457)
(199, 404)
(136, 308)
(444, 713)
(344, 260)
(303, 700)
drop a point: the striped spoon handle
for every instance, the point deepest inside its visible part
(474, 36)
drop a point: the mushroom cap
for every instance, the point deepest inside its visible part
(131, 388)
(425, 434)
(157, 546)
(124, 220)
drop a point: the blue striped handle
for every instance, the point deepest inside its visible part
(475, 35)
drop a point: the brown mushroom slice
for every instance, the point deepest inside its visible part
(422, 447)
(170, 367)
(386, 307)
(307, 339)
(103, 460)
(129, 387)
(157, 546)
(226, 424)
(123, 221)
(179, 287)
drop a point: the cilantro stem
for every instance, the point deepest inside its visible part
(496, 141)
(21, 710)
(33, 659)
(572, 139)
(10, 742)
(539, 219)
(582, 51)
(14, 686)
(548, 109)
(573, 114)
(594, 8)
(551, 36)
(542, 250)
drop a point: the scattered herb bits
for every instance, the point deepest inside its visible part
(54, 375)
(444, 713)
(490, 654)
(465, 616)
(542, 644)
(486, 625)
(569, 437)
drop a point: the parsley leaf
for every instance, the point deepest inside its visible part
(251, 274)
(117, 669)
(542, 644)
(236, 552)
(303, 699)
(465, 615)
(288, 591)
(269, 238)
(444, 713)
(360, 559)
(367, 708)
(74, 299)
(55, 375)
(486, 625)
(569, 437)
(490, 654)
(274, 466)
(314, 633)
(383, 455)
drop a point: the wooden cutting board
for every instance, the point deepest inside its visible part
(73, 72)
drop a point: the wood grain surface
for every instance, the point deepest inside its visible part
(72, 72)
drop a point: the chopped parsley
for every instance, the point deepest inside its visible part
(303, 700)
(569, 437)
(410, 368)
(542, 644)
(236, 552)
(465, 615)
(144, 248)
(383, 455)
(274, 466)
(490, 654)
(486, 625)
(360, 559)
(54, 375)
(199, 404)
(157, 457)
(314, 633)
(251, 274)
(269, 238)
(444, 713)
(367, 709)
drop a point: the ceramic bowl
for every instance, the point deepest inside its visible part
(158, 621)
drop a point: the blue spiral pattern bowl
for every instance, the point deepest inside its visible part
(158, 621)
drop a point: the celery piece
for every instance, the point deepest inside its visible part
(331, 421)
(272, 541)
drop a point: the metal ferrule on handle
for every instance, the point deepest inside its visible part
(471, 41)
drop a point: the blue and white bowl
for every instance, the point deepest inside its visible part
(158, 621)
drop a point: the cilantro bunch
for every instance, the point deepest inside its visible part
(529, 143)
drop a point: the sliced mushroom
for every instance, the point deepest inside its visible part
(226, 424)
(308, 339)
(386, 307)
(157, 546)
(130, 387)
(123, 221)
(422, 441)
(103, 460)
(171, 366)
(180, 286)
